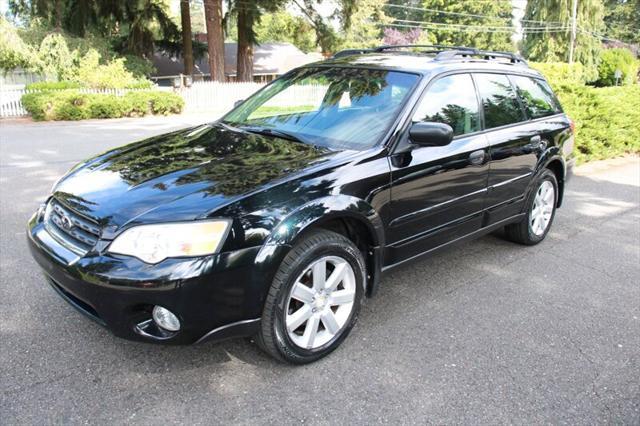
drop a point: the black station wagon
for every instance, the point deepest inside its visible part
(278, 219)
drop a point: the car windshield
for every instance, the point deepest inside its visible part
(337, 108)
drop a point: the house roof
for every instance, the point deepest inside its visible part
(268, 58)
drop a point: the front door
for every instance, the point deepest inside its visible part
(438, 193)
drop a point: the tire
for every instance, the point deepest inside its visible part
(288, 305)
(534, 228)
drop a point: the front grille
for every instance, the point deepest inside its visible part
(71, 229)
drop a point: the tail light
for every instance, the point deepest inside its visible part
(572, 125)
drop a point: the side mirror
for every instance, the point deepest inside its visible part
(238, 102)
(430, 134)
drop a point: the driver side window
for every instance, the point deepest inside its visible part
(451, 100)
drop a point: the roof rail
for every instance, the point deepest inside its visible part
(442, 52)
(349, 52)
(484, 54)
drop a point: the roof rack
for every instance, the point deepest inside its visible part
(442, 52)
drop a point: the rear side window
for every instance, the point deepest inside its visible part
(537, 100)
(499, 101)
(451, 100)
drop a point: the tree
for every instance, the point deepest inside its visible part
(622, 20)
(14, 52)
(367, 20)
(187, 47)
(465, 30)
(326, 36)
(134, 25)
(550, 46)
(247, 11)
(215, 38)
(248, 14)
(281, 26)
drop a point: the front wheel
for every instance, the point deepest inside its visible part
(314, 299)
(541, 209)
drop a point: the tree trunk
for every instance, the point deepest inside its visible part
(245, 45)
(215, 38)
(58, 6)
(187, 48)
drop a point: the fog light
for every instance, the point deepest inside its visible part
(165, 319)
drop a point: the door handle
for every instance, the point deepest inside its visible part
(477, 157)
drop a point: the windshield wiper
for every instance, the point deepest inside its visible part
(273, 132)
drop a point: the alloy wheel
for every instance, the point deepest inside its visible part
(542, 208)
(320, 302)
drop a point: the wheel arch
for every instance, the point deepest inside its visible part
(352, 217)
(556, 165)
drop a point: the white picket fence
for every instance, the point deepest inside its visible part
(10, 104)
(214, 96)
(200, 97)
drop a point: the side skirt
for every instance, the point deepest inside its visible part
(480, 232)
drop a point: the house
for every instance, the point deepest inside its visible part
(270, 60)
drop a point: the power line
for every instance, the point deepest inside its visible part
(482, 27)
(472, 15)
(428, 26)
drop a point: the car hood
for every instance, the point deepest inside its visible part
(183, 175)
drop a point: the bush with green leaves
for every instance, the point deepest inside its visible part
(109, 106)
(53, 85)
(73, 105)
(561, 73)
(617, 59)
(607, 120)
(14, 52)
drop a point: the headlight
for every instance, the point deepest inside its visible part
(154, 243)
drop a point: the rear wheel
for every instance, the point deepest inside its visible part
(314, 299)
(541, 209)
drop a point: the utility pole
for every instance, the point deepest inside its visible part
(574, 25)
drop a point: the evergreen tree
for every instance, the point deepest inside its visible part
(215, 38)
(497, 15)
(550, 46)
(622, 20)
(187, 46)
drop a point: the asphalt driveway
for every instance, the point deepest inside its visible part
(484, 333)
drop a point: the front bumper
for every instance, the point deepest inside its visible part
(215, 297)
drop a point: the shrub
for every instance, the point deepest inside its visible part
(154, 102)
(53, 85)
(36, 105)
(112, 75)
(617, 59)
(108, 106)
(14, 52)
(560, 73)
(73, 105)
(166, 103)
(139, 103)
(607, 120)
(140, 84)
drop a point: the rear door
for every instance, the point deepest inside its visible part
(513, 145)
(438, 192)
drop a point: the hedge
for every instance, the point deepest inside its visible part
(62, 85)
(617, 59)
(607, 119)
(73, 105)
